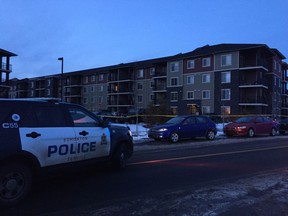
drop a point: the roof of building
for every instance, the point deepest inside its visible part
(6, 53)
(226, 47)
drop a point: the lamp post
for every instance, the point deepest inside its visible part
(61, 79)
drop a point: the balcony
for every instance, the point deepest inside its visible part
(4, 67)
(253, 83)
(253, 101)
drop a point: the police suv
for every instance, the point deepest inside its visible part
(37, 134)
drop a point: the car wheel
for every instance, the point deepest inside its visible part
(120, 157)
(210, 135)
(251, 132)
(273, 132)
(15, 183)
(174, 137)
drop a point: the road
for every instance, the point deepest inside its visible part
(151, 172)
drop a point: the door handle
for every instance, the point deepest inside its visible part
(33, 135)
(83, 133)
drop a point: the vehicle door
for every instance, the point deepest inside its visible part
(188, 128)
(91, 140)
(45, 138)
(260, 126)
(202, 126)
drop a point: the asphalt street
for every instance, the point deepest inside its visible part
(166, 171)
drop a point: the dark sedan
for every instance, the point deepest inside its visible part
(283, 126)
(251, 126)
(184, 127)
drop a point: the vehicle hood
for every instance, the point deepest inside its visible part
(234, 124)
(164, 126)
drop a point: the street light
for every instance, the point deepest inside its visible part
(61, 79)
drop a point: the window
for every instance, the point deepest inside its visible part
(225, 94)
(174, 96)
(140, 86)
(205, 78)
(190, 64)
(226, 77)
(140, 73)
(151, 97)
(174, 81)
(48, 92)
(190, 79)
(100, 100)
(226, 60)
(50, 117)
(140, 98)
(86, 79)
(206, 62)
(206, 94)
(92, 89)
(82, 119)
(93, 78)
(84, 90)
(190, 95)
(174, 67)
(101, 77)
(205, 109)
(152, 71)
(101, 88)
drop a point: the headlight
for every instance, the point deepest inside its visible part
(241, 127)
(130, 133)
(162, 129)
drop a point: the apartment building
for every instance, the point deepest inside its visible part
(222, 79)
(5, 70)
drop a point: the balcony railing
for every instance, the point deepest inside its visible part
(4, 67)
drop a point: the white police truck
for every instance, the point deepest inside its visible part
(37, 134)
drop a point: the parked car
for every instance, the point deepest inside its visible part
(283, 126)
(184, 127)
(251, 126)
(38, 135)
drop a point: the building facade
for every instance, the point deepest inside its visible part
(222, 79)
(5, 70)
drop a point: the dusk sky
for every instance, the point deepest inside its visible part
(96, 33)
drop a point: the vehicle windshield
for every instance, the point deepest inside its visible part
(244, 119)
(175, 120)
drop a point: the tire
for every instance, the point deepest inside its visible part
(15, 183)
(210, 135)
(273, 132)
(174, 137)
(120, 157)
(251, 132)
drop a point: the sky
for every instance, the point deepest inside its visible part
(98, 33)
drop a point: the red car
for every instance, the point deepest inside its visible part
(251, 126)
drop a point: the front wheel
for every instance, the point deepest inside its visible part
(273, 132)
(120, 157)
(251, 132)
(15, 183)
(174, 137)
